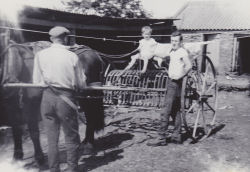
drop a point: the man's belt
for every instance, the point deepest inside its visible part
(64, 98)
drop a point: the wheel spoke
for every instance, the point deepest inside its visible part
(191, 107)
(203, 117)
(196, 122)
(200, 96)
(211, 86)
(210, 106)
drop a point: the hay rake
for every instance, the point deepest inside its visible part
(147, 90)
(198, 97)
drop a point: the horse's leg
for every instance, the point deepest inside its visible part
(90, 131)
(35, 137)
(87, 145)
(32, 108)
(13, 116)
(94, 113)
(17, 138)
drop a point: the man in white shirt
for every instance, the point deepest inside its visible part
(179, 66)
(60, 70)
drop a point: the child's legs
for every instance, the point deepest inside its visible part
(133, 60)
(159, 60)
(146, 58)
(145, 65)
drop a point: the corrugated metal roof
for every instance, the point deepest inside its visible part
(211, 15)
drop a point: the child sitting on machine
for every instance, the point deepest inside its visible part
(146, 49)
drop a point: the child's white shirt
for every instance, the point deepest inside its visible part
(147, 48)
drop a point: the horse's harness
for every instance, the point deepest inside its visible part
(79, 49)
(5, 79)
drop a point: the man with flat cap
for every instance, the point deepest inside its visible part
(60, 70)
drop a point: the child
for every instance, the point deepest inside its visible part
(146, 49)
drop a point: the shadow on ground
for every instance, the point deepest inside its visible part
(200, 133)
(112, 141)
(93, 162)
(110, 146)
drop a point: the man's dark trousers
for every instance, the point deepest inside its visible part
(172, 108)
(56, 112)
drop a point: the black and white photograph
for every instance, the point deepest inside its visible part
(124, 85)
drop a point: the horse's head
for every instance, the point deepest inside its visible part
(18, 60)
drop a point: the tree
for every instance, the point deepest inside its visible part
(108, 8)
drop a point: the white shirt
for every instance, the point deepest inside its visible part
(147, 47)
(179, 63)
(60, 68)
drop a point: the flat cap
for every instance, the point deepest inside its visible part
(58, 30)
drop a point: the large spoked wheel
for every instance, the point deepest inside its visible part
(199, 100)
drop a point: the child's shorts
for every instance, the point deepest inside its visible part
(142, 56)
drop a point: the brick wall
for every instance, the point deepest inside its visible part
(225, 59)
(223, 63)
(226, 52)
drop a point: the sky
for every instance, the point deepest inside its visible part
(163, 8)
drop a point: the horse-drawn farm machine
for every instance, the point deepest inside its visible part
(148, 90)
(198, 95)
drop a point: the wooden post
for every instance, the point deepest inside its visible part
(235, 55)
(6, 41)
(204, 51)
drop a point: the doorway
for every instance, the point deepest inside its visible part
(244, 56)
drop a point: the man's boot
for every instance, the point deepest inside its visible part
(160, 140)
(176, 138)
(18, 155)
(87, 148)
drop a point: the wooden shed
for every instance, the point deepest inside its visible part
(41, 19)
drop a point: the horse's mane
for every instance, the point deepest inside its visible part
(79, 49)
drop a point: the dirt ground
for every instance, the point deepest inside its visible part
(122, 145)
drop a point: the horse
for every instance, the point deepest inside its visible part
(18, 67)
(20, 106)
(91, 101)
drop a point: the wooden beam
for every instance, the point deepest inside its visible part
(105, 87)
(51, 23)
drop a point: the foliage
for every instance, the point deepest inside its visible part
(108, 8)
